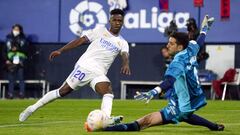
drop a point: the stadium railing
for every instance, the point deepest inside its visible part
(125, 83)
(45, 86)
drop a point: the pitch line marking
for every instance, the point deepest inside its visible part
(37, 124)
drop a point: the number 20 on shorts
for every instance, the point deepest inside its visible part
(79, 75)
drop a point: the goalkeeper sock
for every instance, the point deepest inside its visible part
(107, 104)
(134, 126)
(50, 96)
(197, 120)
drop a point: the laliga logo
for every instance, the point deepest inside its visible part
(86, 15)
(156, 21)
(89, 15)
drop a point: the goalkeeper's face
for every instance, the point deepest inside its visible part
(173, 47)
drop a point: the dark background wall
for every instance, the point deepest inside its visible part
(145, 60)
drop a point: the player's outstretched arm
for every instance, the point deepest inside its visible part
(73, 44)
(147, 96)
(206, 25)
(164, 86)
(125, 69)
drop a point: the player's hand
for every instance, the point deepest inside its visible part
(8, 62)
(125, 69)
(54, 54)
(206, 23)
(144, 96)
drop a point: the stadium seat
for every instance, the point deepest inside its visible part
(235, 83)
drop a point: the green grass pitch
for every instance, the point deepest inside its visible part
(67, 117)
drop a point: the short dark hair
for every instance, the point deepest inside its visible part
(181, 38)
(117, 11)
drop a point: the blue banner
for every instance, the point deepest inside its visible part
(64, 20)
(40, 19)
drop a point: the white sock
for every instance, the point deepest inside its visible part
(50, 96)
(107, 104)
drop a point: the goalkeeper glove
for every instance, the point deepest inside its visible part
(206, 24)
(147, 96)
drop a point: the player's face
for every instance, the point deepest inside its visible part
(173, 47)
(165, 53)
(116, 22)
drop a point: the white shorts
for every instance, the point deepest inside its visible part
(80, 77)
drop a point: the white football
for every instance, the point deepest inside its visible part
(96, 119)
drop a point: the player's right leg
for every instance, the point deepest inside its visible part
(50, 96)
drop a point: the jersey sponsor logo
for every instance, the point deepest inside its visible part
(109, 46)
(88, 15)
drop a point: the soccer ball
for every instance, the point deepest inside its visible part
(96, 120)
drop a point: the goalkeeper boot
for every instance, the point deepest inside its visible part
(113, 120)
(25, 114)
(108, 122)
(117, 119)
(220, 127)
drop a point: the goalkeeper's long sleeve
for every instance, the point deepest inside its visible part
(167, 83)
(201, 39)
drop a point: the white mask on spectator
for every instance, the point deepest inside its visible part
(16, 33)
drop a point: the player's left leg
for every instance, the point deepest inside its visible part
(200, 121)
(167, 115)
(193, 119)
(152, 119)
(102, 85)
(105, 89)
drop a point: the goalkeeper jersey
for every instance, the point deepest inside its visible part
(183, 69)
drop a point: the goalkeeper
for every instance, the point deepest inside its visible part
(181, 78)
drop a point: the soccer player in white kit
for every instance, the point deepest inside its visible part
(92, 66)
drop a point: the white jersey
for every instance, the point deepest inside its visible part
(102, 51)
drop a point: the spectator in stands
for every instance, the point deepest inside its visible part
(15, 55)
(166, 56)
(171, 28)
(192, 29)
